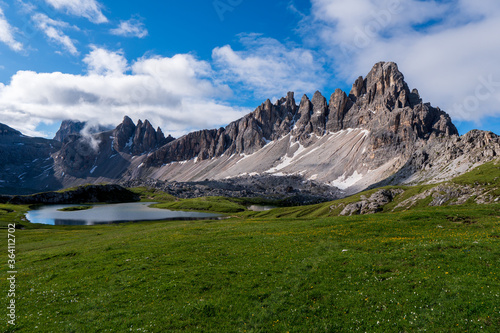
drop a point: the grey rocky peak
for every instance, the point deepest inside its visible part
(340, 103)
(247, 135)
(358, 88)
(303, 126)
(75, 127)
(67, 128)
(380, 103)
(138, 139)
(160, 137)
(123, 134)
(319, 114)
(385, 86)
(145, 137)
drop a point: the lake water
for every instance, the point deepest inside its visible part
(112, 213)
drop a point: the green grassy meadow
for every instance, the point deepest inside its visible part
(432, 269)
(297, 269)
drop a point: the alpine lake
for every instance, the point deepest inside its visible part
(109, 213)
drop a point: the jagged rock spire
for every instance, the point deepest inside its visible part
(137, 139)
(380, 103)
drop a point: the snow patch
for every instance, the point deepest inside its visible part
(130, 142)
(286, 161)
(93, 169)
(243, 157)
(344, 182)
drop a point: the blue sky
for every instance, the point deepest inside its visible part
(187, 65)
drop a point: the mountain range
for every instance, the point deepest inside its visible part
(380, 133)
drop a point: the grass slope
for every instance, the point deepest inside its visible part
(297, 269)
(435, 269)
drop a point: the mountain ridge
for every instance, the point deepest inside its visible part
(384, 87)
(380, 133)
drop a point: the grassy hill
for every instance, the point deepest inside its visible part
(296, 269)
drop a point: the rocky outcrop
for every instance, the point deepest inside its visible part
(292, 188)
(371, 205)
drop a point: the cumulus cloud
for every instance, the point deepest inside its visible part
(448, 49)
(104, 62)
(176, 93)
(53, 29)
(89, 9)
(268, 67)
(130, 28)
(7, 34)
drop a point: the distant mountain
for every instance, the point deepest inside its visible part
(69, 127)
(6, 131)
(380, 133)
(26, 164)
(73, 127)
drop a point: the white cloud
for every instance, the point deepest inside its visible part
(7, 34)
(53, 30)
(103, 62)
(130, 28)
(445, 49)
(267, 67)
(26, 8)
(89, 9)
(175, 93)
(182, 75)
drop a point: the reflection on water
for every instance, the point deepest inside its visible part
(113, 213)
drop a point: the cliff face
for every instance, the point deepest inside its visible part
(381, 103)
